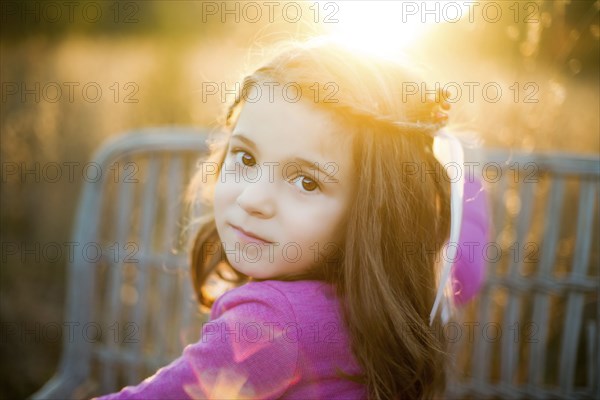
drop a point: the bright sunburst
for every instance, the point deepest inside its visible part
(385, 28)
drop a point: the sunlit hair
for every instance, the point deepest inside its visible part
(385, 276)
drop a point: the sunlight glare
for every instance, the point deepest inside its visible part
(385, 28)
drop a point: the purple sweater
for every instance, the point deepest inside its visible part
(266, 340)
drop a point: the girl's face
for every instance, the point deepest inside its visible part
(284, 188)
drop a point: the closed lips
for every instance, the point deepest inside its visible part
(250, 234)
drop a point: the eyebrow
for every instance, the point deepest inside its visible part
(313, 165)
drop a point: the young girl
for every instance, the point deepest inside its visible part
(329, 214)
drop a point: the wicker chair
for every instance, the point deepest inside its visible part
(532, 332)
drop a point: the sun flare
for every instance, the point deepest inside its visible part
(386, 28)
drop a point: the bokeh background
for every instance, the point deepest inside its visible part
(150, 60)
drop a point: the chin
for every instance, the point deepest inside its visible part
(250, 271)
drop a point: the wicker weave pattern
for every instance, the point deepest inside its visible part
(534, 333)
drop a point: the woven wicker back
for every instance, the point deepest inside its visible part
(534, 332)
(130, 303)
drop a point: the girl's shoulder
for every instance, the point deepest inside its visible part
(282, 331)
(272, 297)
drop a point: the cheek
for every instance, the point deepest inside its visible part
(323, 223)
(228, 181)
(223, 196)
(218, 192)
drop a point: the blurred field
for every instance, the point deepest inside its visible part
(165, 65)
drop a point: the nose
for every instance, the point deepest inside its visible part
(257, 197)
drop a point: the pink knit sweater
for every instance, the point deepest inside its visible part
(266, 340)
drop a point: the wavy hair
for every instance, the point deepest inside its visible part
(385, 276)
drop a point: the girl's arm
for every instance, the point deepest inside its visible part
(468, 271)
(241, 352)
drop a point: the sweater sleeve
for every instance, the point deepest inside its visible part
(468, 271)
(243, 352)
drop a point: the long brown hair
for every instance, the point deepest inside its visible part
(385, 276)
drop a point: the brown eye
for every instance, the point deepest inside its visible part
(245, 158)
(307, 183)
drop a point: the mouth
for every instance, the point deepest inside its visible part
(249, 236)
